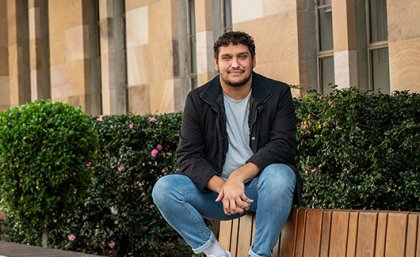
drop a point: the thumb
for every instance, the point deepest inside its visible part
(220, 196)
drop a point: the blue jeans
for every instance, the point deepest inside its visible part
(184, 206)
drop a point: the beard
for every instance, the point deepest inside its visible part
(239, 83)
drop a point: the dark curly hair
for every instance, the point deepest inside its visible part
(235, 38)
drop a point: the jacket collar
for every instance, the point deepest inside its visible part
(213, 91)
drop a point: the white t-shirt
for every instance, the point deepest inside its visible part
(237, 112)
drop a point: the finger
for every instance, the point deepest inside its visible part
(242, 204)
(246, 199)
(232, 206)
(220, 196)
(225, 206)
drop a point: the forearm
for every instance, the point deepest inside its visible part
(245, 172)
(215, 184)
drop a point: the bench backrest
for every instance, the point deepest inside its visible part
(333, 233)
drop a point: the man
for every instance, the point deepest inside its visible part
(236, 153)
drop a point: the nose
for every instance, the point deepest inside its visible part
(235, 63)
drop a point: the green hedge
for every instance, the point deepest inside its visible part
(44, 148)
(359, 150)
(118, 218)
(355, 150)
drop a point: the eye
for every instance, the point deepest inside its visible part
(226, 58)
(242, 56)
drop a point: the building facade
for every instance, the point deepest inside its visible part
(144, 56)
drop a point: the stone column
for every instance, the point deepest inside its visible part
(18, 49)
(39, 49)
(307, 45)
(181, 91)
(113, 62)
(404, 45)
(4, 58)
(92, 66)
(205, 39)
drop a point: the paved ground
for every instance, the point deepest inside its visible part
(17, 250)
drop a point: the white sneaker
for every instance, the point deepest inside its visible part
(228, 255)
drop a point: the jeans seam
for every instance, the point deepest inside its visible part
(185, 202)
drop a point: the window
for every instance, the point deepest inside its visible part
(192, 44)
(378, 46)
(227, 15)
(325, 47)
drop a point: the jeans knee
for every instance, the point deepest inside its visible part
(161, 190)
(278, 179)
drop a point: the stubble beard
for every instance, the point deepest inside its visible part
(239, 83)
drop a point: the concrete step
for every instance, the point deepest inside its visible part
(18, 250)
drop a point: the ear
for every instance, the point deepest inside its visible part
(216, 65)
(254, 61)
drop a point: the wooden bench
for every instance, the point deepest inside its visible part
(333, 233)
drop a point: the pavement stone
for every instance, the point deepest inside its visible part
(8, 249)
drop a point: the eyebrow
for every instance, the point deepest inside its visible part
(241, 53)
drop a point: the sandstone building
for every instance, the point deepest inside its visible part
(143, 56)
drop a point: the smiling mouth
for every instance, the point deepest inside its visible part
(236, 72)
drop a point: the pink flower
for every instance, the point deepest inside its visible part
(152, 119)
(111, 244)
(72, 237)
(154, 152)
(89, 164)
(313, 170)
(304, 125)
(120, 167)
(131, 125)
(159, 147)
(100, 118)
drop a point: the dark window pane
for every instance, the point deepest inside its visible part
(380, 69)
(227, 15)
(378, 20)
(326, 74)
(325, 29)
(324, 2)
(192, 35)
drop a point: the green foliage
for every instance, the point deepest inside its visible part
(355, 151)
(44, 148)
(360, 150)
(119, 218)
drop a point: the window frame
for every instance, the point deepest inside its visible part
(371, 46)
(192, 45)
(322, 54)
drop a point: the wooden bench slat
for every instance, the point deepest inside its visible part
(395, 235)
(244, 235)
(338, 238)
(225, 233)
(234, 239)
(418, 235)
(312, 245)
(352, 234)
(326, 230)
(300, 233)
(412, 233)
(289, 235)
(381, 234)
(366, 234)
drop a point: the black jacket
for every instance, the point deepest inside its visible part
(203, 137)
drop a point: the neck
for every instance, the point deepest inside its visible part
(237, 93)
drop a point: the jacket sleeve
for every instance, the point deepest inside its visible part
(190, 152)
(281, 147)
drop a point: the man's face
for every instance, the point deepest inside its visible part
(234, 65)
